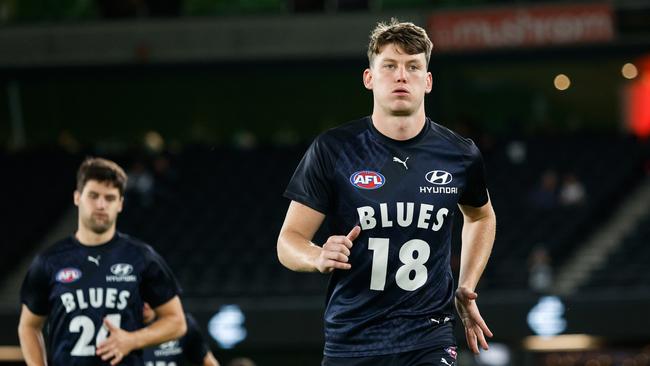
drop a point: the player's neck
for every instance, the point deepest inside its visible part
(399, 127)
(90, 238)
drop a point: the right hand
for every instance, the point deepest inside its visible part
(335, 252)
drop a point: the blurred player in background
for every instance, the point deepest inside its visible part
(89, 288)
(391, 182)
(187, 350)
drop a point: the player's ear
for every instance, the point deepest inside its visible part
(76, 197)
(429, 85)
(120, 204)
(367, 79)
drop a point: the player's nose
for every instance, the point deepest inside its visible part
(401, 74)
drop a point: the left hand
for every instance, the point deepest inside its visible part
(475, 327)
(116, 346)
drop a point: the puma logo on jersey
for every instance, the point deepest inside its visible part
(444, 362)
(397, 160)
(435, 320)
(94, 260)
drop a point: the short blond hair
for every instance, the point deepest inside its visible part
(411, 38)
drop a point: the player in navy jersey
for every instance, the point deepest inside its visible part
(90, 288)
(187, 350)
(391, 182)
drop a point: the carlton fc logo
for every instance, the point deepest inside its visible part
(439, 177)
(367, 179)
(68, 275)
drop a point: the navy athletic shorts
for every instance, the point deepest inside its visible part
(445, 356)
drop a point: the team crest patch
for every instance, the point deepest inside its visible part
(68, 275)
(451, 351)
(367, 179)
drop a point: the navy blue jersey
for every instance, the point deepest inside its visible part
(188, 350)
(398, 295)
(77, 286)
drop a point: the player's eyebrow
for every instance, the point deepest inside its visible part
(410, 61)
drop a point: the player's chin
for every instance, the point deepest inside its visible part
(100, 227)
(402, 112)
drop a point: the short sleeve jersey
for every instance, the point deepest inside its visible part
(398, 295)
(77, 286)
(188, 350)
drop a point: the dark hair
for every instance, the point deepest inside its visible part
(101, 170)
(411, 38)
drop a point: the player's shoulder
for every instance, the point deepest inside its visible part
(464, 144)
(60, 247)
(136, 244)
(192, 324)
(346, 131)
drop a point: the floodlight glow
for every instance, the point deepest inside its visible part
(562, 82)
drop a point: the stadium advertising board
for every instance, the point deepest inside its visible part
(550, 25)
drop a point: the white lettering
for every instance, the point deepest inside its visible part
(405, 216)
(385, 222)
(402, 220)
(111, 294)
(440, 219)
(424, 215)
(80, 298)
(96, 297)
(366, 219)
(124, 296)
(68, 302)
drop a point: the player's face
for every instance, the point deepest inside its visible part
(398, 81)
(98, 203)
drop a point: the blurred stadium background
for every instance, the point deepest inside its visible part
(209, 105)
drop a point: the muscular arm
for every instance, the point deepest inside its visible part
(478, 237)
(30, 332)
(210, 360)
(169, 324)
(296, 250)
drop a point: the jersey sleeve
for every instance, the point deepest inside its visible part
(158, 284)
(310, 184)
(475, 193)
(35, 291)
(194, 348)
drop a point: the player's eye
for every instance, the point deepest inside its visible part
(389, 66)
(93, 195)
(110, 198)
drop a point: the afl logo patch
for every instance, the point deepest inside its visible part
(68, 275)
(367, 179)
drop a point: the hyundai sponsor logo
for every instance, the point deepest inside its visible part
(121, 269)
(439, 177)
(122, 272)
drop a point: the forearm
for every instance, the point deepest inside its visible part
(296, 252)
(478, 239)
(163, 329)
(210, 360)
(32, 345)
